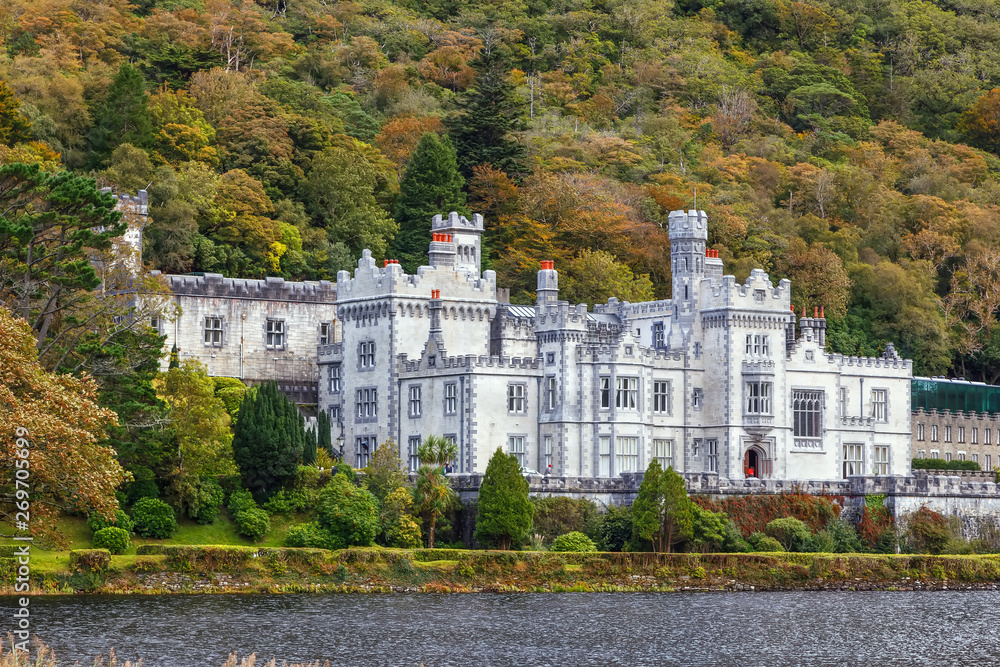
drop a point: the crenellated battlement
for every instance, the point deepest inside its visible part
(758, 292)
(370, 280)
(688, 224)
(468, 362)
(870, 362)
(457, 222)
(267, 289)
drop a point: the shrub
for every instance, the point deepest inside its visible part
(308, 535)
(838, 537)
(793, 534)
(614, 528)
(204, 501)
(559, 515)
(348, 513)
(762, 542)
(927, 532)
(96, 522)
(751, 514)
(307, 477)
(398, 527)
(573, 541)
(253, 523)
(279, 503)
(240, 501)
(95, 560)
(714, 532)
(153, 518)
(115, 540)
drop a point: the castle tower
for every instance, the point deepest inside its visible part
(547, 291)
(467, 236)
(688, 235)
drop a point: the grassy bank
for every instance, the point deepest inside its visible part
(226, 569)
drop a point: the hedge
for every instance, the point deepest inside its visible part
(941, 464)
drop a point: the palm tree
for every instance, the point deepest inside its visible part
(433, 495)
(437, 451)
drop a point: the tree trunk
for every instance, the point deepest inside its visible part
(430, 533)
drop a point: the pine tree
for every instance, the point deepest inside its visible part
(647, 506)
(490, 113)
(505, 513)
(14, 128)
(268, 440)
(123, 117)
(430, 185)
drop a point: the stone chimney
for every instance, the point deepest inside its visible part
(548, 283)
(442, 251)
(435, 308)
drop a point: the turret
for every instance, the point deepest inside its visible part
(688, 235)
(467, 237)
(548, 283)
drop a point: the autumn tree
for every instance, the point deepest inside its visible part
(596, 275)
(63, 427)
(201, 426)
(431, 185)
(981, 122)
(14, 127)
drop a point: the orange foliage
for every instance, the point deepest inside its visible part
(400, 136)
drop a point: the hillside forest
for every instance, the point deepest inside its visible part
(849, 146)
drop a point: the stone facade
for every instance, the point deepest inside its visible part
(255, 330)
(958, 435)
(721, 379)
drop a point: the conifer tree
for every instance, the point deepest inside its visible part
(490, 113)
(268, 440)
(309, 450)
(323, 439)
(430, 185)
(662, 512)
(123, 117)
(505, 513)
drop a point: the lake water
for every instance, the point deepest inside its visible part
(803, 628)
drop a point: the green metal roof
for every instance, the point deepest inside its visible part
(954, 395)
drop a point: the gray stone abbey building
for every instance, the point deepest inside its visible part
(719, 379)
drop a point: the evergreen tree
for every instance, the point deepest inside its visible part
(505, 513)
(490, 113)
(662, 512)
(123, 116)
(14, 128)
(268, 440)
(309, 450)
(430, 185)
(323, 439)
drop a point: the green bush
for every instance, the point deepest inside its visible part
(928, 532)
(762, 542)
(96, 522)
(838, 537)
(153, 518)
(115, 540)
(240, 501)
(573, 541)
(278, 504)
(791, 533)
(253, 523)
(203, 506)
(308, 535)
(614, 528)
(714, 532)
(348, 513)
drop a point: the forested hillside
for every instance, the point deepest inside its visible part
(848, 145)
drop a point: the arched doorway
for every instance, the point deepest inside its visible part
(752, 463)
